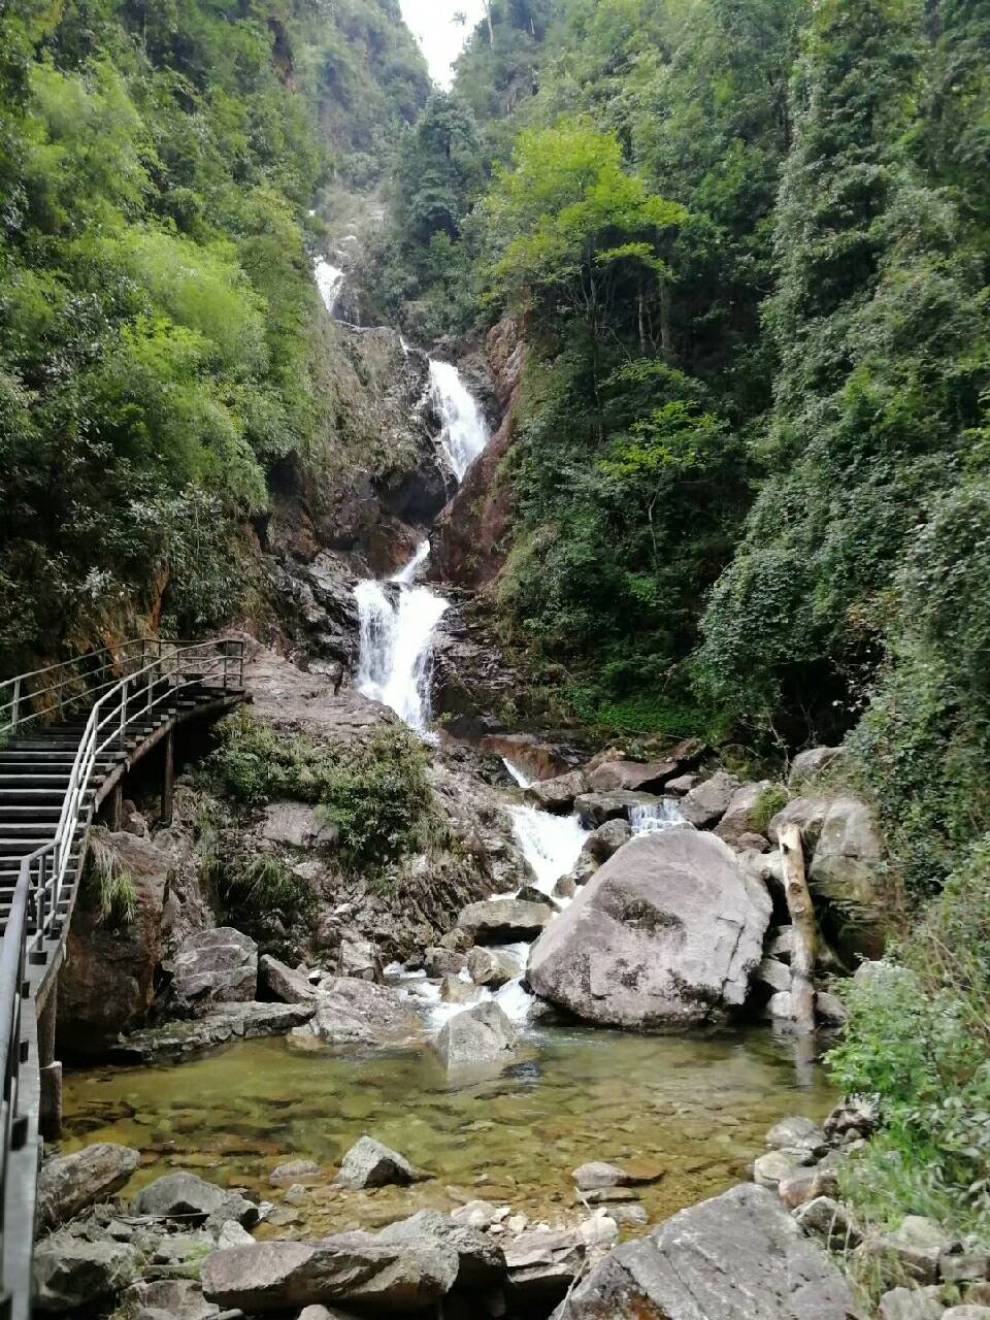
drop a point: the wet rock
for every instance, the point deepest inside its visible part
(825, 1218)
(665, 935)
(478, 1035)
(354, 1012)
(71, 1275)
(705, 805)
(741, 816)
(285, 984)
(538, 760)
(595, 809)
(443, 962)
(297, 825)
(566, 887)
(557, 795)
(185, 1197)
(599, 1174)
(504, 921)
(799, 1135)
(294, 1171)
(813, 762)
(911, 1304)
(491, 967)
(350, 1269)
(481, 1262)
(607, 839)
(455, 991)
(808, 813)
(735, 1257)
(223, 1024)
(530, 894)
(68, 1184)
(215, 966)
(370, 1164)
(167, 1299)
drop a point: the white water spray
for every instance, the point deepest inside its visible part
(551, 844)
(465, 432)
(396, 643)
(329, 281)
(665, 815)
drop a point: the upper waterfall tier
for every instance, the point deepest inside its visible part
(465, 432)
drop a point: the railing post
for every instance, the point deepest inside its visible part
(16, 707)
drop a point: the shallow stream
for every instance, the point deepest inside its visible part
(697, 1107)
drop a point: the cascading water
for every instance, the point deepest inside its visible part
(398, 617)
(665, 815)
(329, 281)
(465, 432)
(396, 641)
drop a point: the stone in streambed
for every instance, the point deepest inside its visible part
(738, 1256)
(504, 921)
(481, 1262)
(222, 1025)
(368, 1163)
(215, 966)
(289, 986)
(72, 1275)
(665, 936)
(186, 1197)
(800, 1135)
(708, 802)
(530, 894)
(479, 1035)
(491, 967)
(599, 1174)
(294, 1171)
(167, 1299)
(632, 776)
(558, 794)
(439, 961)
(455, 991)
(741, 817)
(355, 1012)
(70, 1183)
(606, 840)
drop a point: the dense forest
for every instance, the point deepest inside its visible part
(158, 168)
(747, 242)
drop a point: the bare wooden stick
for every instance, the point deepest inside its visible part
(805, 947)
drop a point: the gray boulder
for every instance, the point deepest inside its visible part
(633, 776)
(481, 1261)
(665, 935)
(350, 1269)
(912, 1304)
(215, 966)
(289, 986)
(443, 962)
(186, 1197)
(707, 803)
(370, 1164)
(543, 1263)
(491, 967)
(741, 815)
(813, 762)
(482, 1034)
(355, 1012)
(358, 958)
(596, 809)
(558, 794)
(808, 813)
(72, 1275)
(681, 784)
(606, 840)
(739, 1256)
(825, 1218)
(847, 865)
(70, 1183)
(296, 824)
(167, 1299)
(504, 921)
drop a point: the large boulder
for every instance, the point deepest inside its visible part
(215, 966)
(72, 1275)
(290, 986)
(167, 1299)
(70, 1183)
(354, 1012)
(481, 1262)
(107, 981)
(350, 1268)
(370, 1164)
(191, 1199)
(491, 967)
(666, 935)
(848, 869)
(706, 804)
(558, 794)
(606, 840)
(741, 816)
(504, 921)
(479, 1035)
(739, 1256)
(635, 776)
(224, 1024)
(812, 763)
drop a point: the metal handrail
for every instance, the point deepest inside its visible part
(34, 924)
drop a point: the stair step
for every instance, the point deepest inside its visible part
(28, 812)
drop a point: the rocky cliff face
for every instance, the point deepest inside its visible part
(470, 540)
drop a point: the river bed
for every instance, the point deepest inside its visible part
(697, 1107)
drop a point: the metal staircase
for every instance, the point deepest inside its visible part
(69, 734)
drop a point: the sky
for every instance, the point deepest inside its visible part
(432, 23)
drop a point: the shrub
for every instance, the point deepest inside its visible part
(109, 885)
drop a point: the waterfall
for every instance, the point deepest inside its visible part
(465, 432)
(329, 281)
(665, 815)
(551, 844)
(520, 776)
(397, 622)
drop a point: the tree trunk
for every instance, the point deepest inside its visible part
(666, 349)
(491, 26)
(805, 929)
